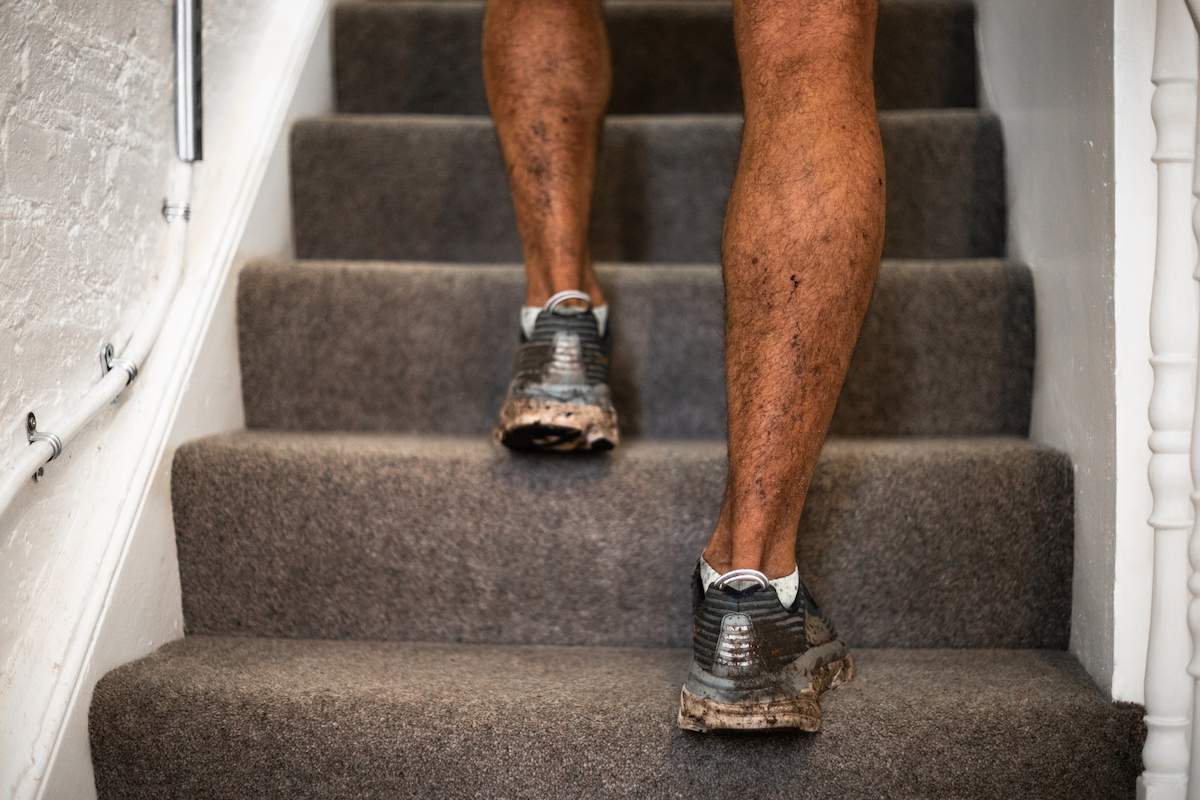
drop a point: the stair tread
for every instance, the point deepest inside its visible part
(432, 187)
(669, 57)
(904, 542)
(239, 717)
(385, 614)
(946, 348)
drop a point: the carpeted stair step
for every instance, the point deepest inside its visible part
(432, 188)
(668, 57)
(905, 542)
(947, 348)
(251, 718)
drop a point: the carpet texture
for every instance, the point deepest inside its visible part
(375, 609)
(670, 56)
(432, 188)
(300, 719)
(905, 543)
(946, 349)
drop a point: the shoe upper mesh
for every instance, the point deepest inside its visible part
(536, 352)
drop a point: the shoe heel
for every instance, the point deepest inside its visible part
(802, 712)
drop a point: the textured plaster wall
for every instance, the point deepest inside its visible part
(145, 607)
(86, 138)
(86, 121)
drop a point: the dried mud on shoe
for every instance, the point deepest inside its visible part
(533, 425)
(800, 712)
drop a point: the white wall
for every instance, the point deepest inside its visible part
(85, 141)
(1136, 209)
(85, 104)
(144, 611)
(88, 577)
(1070, 80)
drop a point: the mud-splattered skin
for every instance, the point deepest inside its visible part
(800, 251)
(548, 75)
(803, 231)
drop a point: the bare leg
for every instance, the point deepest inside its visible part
(548, 75)
(801, 248)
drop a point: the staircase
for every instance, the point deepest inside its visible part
(381, 603)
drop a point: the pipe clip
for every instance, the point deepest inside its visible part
(174, 211)
(110, 361)
(34, 436)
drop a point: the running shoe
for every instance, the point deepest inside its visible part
(558, 398)
(756, 664)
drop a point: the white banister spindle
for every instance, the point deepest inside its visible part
(1174, 324)
(1193, 614)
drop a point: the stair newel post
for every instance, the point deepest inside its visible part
(1174, 323)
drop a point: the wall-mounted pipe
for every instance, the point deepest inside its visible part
(189, 108)
(135, 352)
(119, 371)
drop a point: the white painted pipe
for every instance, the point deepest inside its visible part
(1174, 324)
(138, 348)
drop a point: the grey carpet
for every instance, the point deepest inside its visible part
(311, 550)
(299, 719)
(432, 188)
(906, 543)
(668, 57)
(947, 348)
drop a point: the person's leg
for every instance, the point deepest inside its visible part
(803, 235)
(547, 70)
(800, 252)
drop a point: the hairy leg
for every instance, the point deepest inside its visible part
(548, 75)
(800, 252)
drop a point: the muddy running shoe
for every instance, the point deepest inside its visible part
(758, 665)
(558, 398)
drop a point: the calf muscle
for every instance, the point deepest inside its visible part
(801, 246)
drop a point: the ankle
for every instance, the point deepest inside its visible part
(786, 586)
(773, 565)
(546, 279)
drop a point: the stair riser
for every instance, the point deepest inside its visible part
(677, 57)
(946, 349)
(945, 544)
(433, 188)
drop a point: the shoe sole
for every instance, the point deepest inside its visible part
(801, 712)
(560, 427)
